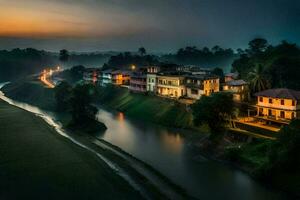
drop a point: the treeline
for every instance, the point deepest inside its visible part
(267, 66)
(192, 55)
(215, 57)
(19, 63)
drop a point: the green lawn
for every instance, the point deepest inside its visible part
(37, 163)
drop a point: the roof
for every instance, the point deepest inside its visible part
(123, 72)
(201, 77)
(234, 75)
(281, 93)
(236, 83)
(107, 71)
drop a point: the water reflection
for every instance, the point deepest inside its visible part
(167, 151)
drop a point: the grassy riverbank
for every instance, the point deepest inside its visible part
(139, 106)
(37, 163)
(145, 107)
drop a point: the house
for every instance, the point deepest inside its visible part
(278, 105)
(120, 77)
(170, 84)
(198, 85)
(91, 75)
(231, 77)
(151, 78)
(239, 89)
(138, 82)
(106, 77)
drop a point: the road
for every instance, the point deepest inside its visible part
(45, 77)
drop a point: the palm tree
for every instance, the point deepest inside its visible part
(142, 51)
(258, 80)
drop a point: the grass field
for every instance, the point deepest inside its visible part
(37, 163)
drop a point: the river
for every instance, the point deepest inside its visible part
(171, 154)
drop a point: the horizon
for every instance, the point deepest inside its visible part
(112, 25)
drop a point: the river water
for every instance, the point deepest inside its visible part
(171, 154)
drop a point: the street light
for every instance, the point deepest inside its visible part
(133, 67)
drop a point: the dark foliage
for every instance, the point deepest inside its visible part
(81, 109)
(280, 65)
(73, 75)
(19, 63)
(213, 110)
(62, 96)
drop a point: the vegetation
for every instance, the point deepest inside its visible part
(275, 66)
(214, 110)
(64, 55)
(73, 75)
(276, 162)
(19, 63)
(63, 96)
(258, 80)
(78, 101)
(127, 59)
(145, 107)
(205, 57)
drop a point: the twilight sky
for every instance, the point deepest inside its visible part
(158, 25)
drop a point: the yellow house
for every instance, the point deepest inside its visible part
(198, 85)
(120, 77)
(170, 85)
(278, 105)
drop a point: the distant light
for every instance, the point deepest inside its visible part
(133, 67)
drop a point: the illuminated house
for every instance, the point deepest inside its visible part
(151, 78)
(91, 75)
(170, 85)
(278, 105)
(239, 89)
(198, 85)
(138, 82)
(106, 77)
(120, 77)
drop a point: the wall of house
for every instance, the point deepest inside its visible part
(211, 86)
(276, 103)
(191, 93)
(151, 82)
(277, 114)
(171, 86)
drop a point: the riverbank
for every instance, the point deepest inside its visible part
(139, 106)
(38, 163)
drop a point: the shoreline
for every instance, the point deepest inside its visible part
(37, 163)
(209, 155)
(154, 191)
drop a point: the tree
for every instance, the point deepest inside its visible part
(142, 51)
(257, 45)
(62, 96)
(258, 80)
(284, 152)
(219, 72)
(64, 55)
(213, 110)
(81, 109)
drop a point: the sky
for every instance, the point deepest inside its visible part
(158, 25)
